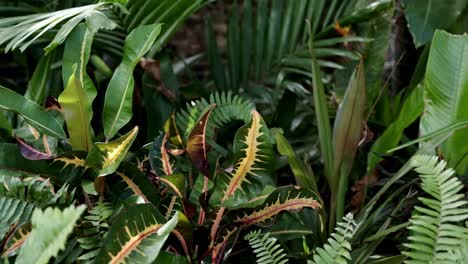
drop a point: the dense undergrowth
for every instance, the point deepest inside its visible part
(303, 132)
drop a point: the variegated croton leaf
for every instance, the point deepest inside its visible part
(136, 236)
(131, 183)
(107, 156)
(196, 143)
(288, 198)
(16, 240)
(159, 157)
(253, 144)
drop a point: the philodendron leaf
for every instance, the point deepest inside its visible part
(136, 236)
(76, 109)
(289, 198)
(50, 229)
(106, 157)
(118, 101)
(76, 52)
(196, 143)
(253, 144)
(446, 95)
(33, 113)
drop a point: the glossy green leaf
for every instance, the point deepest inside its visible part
(118, 101)
(50, 229)
(75, 58)
(33, 113)
(424, 17)
(76, 110)
(136, 236)
(446, 95)
(410, 111)
(106, 157)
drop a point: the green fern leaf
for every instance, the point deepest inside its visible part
(435, 235)
(266, 248)
(337, 249)
(50, 229)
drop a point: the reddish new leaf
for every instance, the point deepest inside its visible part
(196, 143)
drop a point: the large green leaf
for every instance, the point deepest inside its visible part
(425, 16)
(118, 101)
(50, 229)
(76, 52)
(33, 113)
(76, 109)
(446, 95)
(136, 236)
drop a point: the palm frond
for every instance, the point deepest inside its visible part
(338, 247)
(266, 248)
(434, 229)
(21, 31)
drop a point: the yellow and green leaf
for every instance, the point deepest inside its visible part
(253, 144)
(76, 110)
(132, 183)
(136, 236)
(107, 156)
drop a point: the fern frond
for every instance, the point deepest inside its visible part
(337, 248)
(19, 197)
(435, 233)
(266, 248)
(229, 107)
(95, 228)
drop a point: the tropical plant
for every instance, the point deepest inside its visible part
(118, 146)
